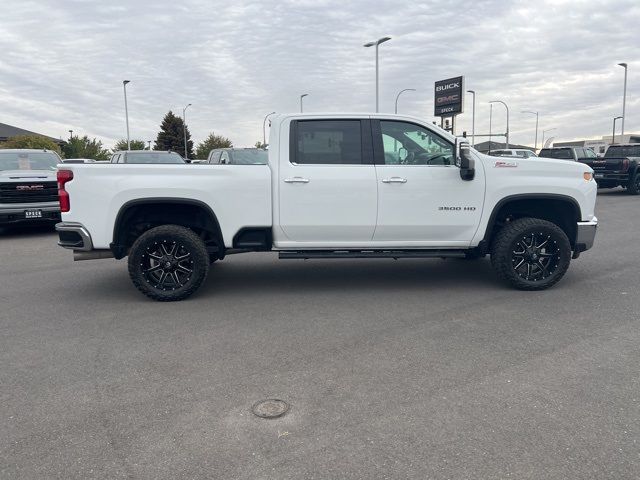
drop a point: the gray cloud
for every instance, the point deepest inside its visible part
(64, 61)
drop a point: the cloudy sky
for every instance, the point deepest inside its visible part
(62, 62)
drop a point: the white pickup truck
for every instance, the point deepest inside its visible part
(335, 186)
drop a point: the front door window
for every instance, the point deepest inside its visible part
(409, 144)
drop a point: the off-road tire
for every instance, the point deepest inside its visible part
(634, 185)
(509, 240)
(181, 250)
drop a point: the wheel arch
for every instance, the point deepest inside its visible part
(562, 210)
(149, 212)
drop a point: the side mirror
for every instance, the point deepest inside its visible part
(464, 161)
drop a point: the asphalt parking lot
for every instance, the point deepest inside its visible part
(407, 369)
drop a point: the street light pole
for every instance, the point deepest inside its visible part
(473, 118)
(613, 136)
(184, 130)
(377, 44)
(544, 132)
(535, 146)
(624, 96)
(301, 97)
(264, 129)
(126, 111)
(490, 122)
(505, 106)
(398, 96)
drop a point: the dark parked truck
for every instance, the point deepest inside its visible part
(618, 167)
(28, 186)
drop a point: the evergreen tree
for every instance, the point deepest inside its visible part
(82, 147)
(171, 136)
(212, 142)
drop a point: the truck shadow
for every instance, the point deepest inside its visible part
(231, 276)
(613, 192)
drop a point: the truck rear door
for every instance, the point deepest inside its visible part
(327, 186)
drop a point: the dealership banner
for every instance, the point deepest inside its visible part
(449, 97)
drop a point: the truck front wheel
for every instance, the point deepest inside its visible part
(531, 254)
(634, 185)
(168, 263)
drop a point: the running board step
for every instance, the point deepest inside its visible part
(308, 254)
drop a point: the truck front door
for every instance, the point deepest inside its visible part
(422, 201)
(327, 186)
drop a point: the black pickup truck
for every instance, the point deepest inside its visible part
(618, 167)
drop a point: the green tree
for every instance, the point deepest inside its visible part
(212, 142)
(259, 144)
(31, 141)
(83, 147)
(135, 145)
(171, 135)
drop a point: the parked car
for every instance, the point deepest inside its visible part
(574, 154)
(336, 186)
(28, 188)
(513, 152)
(238, 156)
(146, 156)
(620, 166)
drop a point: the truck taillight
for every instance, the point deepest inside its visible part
(64, 176)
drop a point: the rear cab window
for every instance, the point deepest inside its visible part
(559, 153)
(326, 142)
(623, 151)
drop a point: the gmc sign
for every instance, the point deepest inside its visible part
(449, 97)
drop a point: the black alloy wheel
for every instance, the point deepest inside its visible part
(531, 253)
(168, 263)
(535, 257)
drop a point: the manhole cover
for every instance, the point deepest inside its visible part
(270, 408)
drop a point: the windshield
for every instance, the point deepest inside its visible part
(623, 151)
(249, 156)
(28, 160)
(561, 153)
(152, 157)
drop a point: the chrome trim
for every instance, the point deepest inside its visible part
(80, 229)
(586, 234)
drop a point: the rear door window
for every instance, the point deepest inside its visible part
(327, 142)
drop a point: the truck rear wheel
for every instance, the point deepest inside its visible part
(634, 185)
(168, 263)
(531, 254)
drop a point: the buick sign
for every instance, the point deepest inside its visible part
(449, 97)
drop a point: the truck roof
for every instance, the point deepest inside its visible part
(279, 118)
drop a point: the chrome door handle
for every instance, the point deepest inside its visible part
(394, 180)
(296, 180)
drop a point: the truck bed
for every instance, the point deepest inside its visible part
(240, 195)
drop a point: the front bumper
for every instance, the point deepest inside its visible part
(14, 213)
(586, 235)
(74, 236)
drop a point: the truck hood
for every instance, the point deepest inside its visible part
(26, 175)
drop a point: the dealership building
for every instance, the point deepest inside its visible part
(8, 131)
(600, 146)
